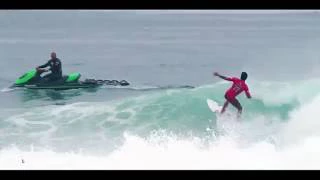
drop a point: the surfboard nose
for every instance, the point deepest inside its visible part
(214, 106)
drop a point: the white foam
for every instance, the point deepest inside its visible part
(6, 89)
(304, 123)
(277, 93)
(172, 153)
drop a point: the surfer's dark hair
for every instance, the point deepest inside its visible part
(244, 76)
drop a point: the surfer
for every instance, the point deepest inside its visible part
(55, 68)
(237, 87)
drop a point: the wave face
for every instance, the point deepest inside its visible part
(169, 129)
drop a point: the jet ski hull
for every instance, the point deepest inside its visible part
(62, 86)
(32, 80)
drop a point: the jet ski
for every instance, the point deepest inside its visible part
(33, 80)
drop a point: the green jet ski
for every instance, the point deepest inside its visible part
(33, 80)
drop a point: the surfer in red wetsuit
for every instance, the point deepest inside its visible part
(237, 87)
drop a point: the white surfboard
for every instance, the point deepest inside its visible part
(214, 106)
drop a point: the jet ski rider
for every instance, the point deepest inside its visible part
(55, 67)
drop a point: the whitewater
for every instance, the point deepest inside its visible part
(162, 120)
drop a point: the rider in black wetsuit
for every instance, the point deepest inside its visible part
(55, 68)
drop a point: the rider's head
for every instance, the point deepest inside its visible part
(53, 55)
(244, 76)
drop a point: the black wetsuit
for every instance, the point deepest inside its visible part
(55, 68)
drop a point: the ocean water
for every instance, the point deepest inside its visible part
(156, 122)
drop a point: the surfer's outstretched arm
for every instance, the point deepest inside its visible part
(222, 77)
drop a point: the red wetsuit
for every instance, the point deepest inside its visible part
(238, 86)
